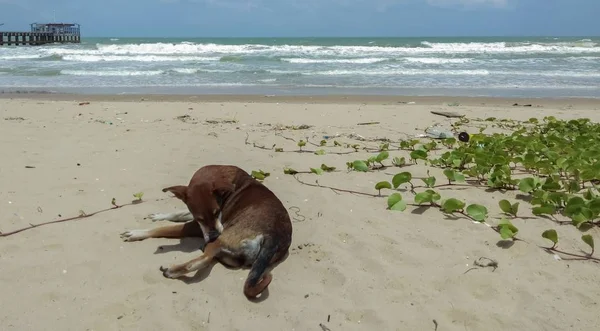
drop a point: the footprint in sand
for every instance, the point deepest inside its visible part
(152, 277)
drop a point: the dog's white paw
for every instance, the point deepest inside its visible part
(159, 217)
(135, 235)
(168, 273)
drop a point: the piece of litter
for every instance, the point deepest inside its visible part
(64, 271)
(557, 258)
(9, 202)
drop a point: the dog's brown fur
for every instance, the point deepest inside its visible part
(256, 227)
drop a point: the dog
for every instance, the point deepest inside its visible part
(243, 224)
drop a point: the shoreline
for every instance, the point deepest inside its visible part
(312, 99)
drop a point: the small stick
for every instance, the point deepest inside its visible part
(323, 327)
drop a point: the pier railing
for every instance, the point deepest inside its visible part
(41, 34)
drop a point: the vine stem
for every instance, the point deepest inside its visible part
(578, 256)
(81, 216)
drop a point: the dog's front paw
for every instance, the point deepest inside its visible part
(159, 217)
(169, 273)
(135, 235)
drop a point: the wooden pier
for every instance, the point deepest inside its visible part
(43, 33)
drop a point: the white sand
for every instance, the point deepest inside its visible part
(362, 266)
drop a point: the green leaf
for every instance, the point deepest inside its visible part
(320, 152)
(429, 181)
(260, 175)
(401, 178)
(551, 235)
(506, 232)
(429, 196)
(289, 171)
(418, 154)
(507, 229)
(382, 185)
(382, 156)
(589, 240)
(138, 195)
(544, 210)
(527, 185)
(452, 205)
(477, 212)
(399, 161)
(301, 143)
(395, 202)
(323, 142)
(317, 171)
(327, 168)
(505, 206)
(360, 165)
(449, 173)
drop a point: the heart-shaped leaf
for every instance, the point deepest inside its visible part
(360, 165)
(395, 202)
(589, 240)
(551, 235)
(382, 185)
(401, 178)
(452, 205)
(477, 212)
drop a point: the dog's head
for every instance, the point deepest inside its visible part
(205, 202)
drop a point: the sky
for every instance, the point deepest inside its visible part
(310, 18)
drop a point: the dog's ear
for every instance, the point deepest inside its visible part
(221, 190)
(180, 191)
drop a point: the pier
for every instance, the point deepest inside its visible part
(43, 33)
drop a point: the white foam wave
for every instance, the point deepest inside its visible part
(315, 61)
(187, 71)
(334, 51)
(400, 72)
(111, 73)
(21, 57)
(436, 60)
(442, 72)
(137, 58)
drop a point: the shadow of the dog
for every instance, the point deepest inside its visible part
(186, 245)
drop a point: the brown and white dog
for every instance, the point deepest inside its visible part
(243, 224)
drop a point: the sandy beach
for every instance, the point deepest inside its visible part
(353, 264)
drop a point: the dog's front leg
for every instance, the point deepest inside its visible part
(201, 262)
(189, 229)
(182, 215)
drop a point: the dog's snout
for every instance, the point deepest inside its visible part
(213, 235)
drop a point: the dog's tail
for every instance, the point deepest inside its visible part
(259, 276)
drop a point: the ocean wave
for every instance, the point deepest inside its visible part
(137, 58)
(350, 61)
(341, 51)
(111, 73)
(437, 60)
(405, 72)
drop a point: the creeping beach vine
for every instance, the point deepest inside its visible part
(552, 164)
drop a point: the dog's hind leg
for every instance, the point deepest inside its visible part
(182, 215)
(210, 252)
(189, 229)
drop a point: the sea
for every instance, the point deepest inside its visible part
(484, 66)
